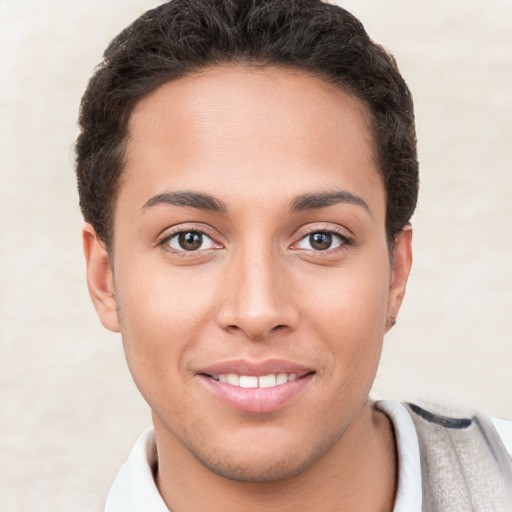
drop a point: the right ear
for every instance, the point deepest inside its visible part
(100, 279)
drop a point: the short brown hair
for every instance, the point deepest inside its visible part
(185, 36)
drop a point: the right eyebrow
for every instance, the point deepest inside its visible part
(319, 200)
(196, 200)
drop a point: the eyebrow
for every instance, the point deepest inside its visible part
(318, 200)
(186, 198)
(304, 202)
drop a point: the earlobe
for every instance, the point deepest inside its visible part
(100, 280)
(401, 267)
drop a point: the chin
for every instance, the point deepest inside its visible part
(259, 469)
(261, 461)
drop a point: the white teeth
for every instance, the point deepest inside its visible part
(267, 381)
(282, 378)
(233, 379)
(251, 381)
(248, 382)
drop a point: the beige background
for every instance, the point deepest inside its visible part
(69, 411)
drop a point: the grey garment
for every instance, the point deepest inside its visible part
(464, 465)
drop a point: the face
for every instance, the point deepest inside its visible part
(252, 279)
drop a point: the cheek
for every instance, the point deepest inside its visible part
(161, 315)
(349, 310)
(352, 297)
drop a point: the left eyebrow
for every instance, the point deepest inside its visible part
(187, 198)
(318, 200)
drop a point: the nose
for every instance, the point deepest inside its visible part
(258, 296)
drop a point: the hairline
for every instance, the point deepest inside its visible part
(242, 63)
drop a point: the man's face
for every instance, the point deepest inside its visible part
(250, 250)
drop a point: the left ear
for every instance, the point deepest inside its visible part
(400, 269)
(100, 279)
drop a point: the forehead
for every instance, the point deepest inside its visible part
(248, 127)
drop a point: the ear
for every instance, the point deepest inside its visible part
(100, 279)
(400, 269)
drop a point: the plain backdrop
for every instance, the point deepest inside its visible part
(69, 410)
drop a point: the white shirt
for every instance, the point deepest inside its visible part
(134, 488)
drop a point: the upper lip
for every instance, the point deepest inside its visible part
(255, 368)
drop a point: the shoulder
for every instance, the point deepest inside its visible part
(464, 459)
(441, 418)
(450, 458)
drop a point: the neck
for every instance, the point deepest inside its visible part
(363, 458)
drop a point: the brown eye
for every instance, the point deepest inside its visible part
(191, 241)
(320, 241)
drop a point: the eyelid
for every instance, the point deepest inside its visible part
(343, 234)
(205, 240)
(167, 235)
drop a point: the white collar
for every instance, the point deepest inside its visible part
(409, 494)
(134, 488)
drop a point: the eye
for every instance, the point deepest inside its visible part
(190, 241)
(321, 241)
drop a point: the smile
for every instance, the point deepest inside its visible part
(256, 387)
(252, 381)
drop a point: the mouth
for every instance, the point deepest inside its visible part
(256, 387)
(253, 381)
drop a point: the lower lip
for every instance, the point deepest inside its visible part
(257, 400)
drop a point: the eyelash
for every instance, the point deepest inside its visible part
(166, 239)
(344, 239)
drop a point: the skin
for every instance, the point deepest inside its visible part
(255, 140)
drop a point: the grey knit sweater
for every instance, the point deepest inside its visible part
(464, 465)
